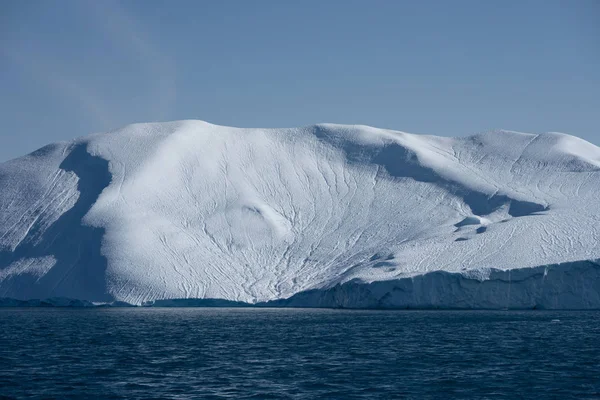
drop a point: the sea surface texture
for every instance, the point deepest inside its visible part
(297, 354)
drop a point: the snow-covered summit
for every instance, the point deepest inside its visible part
(193, 210)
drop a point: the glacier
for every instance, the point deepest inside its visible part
(318, 216)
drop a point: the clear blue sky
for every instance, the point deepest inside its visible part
(69, 68)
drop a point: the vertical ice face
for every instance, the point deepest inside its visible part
(192, 210)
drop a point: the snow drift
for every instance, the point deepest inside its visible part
(326, 215)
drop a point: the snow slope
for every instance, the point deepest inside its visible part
(193, 210)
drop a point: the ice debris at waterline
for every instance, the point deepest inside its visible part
(325, 215)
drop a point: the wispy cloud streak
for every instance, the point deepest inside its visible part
(127, 32)
(45, 70)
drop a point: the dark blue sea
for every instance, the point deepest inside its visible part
(215, 353)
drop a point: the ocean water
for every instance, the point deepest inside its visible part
(206, 353)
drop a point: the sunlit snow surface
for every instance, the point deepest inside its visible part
(193, 210)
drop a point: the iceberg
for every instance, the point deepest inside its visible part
(318, 216)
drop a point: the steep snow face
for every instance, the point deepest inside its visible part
(193, 210)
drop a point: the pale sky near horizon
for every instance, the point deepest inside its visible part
(72, 67)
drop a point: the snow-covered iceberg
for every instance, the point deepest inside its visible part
(325, 215)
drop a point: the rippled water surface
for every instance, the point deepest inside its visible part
(291, 353)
